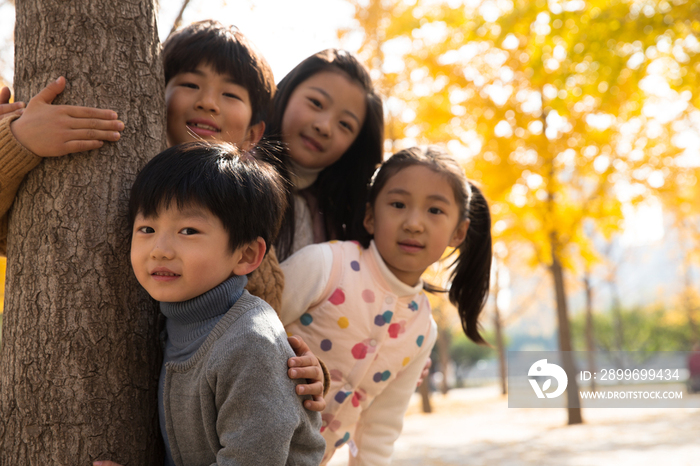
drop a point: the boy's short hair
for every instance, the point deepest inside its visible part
(247, 195)
(229, 52)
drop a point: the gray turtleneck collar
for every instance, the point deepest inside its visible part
(188, 324)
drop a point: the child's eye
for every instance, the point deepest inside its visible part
(189, 231)
(189, 85)
(347, 126)
(397, 204)
(315, 102)
(146, 230)
(435, 210)
(232, 96)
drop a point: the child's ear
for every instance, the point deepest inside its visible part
(253, 135)
(459, 234)
(369, 219)
(251, 255)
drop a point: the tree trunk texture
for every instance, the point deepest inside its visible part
(443, 344)
(80, 356)
(590, 339)
(498, 326)
(688, 301)
(574, 413)
(424, 391)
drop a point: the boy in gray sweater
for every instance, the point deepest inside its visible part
(202, 216)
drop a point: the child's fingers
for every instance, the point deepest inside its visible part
(315, 389)
(83, 141)
(304, 360)
(12, 108)
(50, 92)
(5, 95)
(90, 112)
(71, 147)
(317, 404)
(16, 112)
(92, 134)
(298, 345)
(307, 372)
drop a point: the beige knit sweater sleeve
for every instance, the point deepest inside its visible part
(15, 162)
(267, 281)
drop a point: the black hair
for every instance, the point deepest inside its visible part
(229, 52)
(247, 195)
(340, 188)
(471, 270)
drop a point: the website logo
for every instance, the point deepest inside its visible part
(542, 369)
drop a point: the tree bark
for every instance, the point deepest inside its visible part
(590, 340)
(424, 391)
(498, 325)
(443, 344)
(688, 301)
(573, 403)
(80, 356)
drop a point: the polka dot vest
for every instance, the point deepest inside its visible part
(364, 333)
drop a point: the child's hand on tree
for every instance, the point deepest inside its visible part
(7, 108)
(306, 366)
(55, 130)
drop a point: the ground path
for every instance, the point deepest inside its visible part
(475, 427)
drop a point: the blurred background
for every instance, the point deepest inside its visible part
(580, 121)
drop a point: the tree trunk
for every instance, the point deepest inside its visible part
(443, 344)
(565, 338)
(618, 331)
(80, 356)
(688, 301)
(498, 325)
(590, 341)
(424, 391)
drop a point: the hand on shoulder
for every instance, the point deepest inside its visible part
(307, 366)
(54, 130)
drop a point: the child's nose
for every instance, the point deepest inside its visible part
(162, 249)
(207, 102)
(413, 221)
(322, 125)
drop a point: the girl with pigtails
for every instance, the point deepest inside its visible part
(362, 308)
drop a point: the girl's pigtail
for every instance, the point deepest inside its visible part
(471, 275)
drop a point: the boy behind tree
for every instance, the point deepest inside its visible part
(202, 216)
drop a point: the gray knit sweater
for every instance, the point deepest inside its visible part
(231, 402)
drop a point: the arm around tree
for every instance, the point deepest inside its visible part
(44, 130)
(15, 162)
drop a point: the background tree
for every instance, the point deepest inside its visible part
(550, 103)
(679, 196)
(80, 357)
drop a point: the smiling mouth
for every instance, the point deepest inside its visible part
(411, 246)
(204, 126)
(162, 276)
(311, 143)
